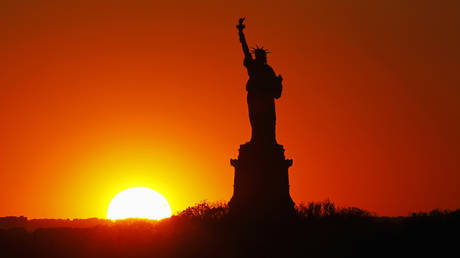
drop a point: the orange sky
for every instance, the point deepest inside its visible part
(99, 97)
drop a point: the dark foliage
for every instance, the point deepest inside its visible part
(207, 230)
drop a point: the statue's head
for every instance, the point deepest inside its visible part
(261, 54)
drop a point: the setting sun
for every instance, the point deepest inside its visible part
(139, 202)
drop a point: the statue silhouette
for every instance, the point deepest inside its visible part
(261, 182)
(263, 88)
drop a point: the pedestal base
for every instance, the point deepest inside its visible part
(261, 185)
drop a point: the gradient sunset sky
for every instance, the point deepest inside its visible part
(100, 96)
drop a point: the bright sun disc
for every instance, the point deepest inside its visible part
(138, 202)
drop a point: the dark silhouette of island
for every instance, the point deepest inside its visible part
(261, 183)
(208, 230)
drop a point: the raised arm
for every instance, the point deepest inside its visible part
(244, 44)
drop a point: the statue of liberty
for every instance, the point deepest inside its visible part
(261, 182)
(263, 87)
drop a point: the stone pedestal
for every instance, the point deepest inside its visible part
(261, 185)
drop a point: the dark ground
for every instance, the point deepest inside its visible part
(206, 230)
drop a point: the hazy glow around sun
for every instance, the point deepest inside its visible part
(138, 202)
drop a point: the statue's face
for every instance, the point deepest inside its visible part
(261, 59)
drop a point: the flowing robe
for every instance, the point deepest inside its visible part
(263, 87)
